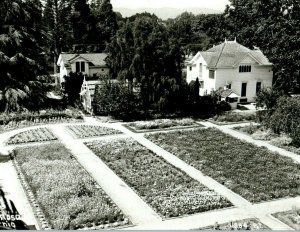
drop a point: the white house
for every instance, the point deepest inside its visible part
(231, 66)
(90, 64)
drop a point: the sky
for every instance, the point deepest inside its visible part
(133, 4)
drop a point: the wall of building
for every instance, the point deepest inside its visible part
(98, 71)
(261, 74)
(73, 66)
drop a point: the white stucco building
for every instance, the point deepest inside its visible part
(231, 66)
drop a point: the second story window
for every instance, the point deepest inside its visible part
(200, 69)
(212, 74)
(244, 68)
(80, 66)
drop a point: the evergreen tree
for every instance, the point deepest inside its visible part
(21, 57)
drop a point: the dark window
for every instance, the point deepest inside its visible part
(191, 68)
(229, 86)
(82, 66)
(245, 68)
(212, 74)
(77, 66)
(258, 87)
(244, 90)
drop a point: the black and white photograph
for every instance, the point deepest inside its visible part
(150, 115)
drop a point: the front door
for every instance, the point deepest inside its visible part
(244, 90)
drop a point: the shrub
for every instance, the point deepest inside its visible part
(115, 99)
(286, 118)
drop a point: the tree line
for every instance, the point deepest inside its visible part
(143, 50)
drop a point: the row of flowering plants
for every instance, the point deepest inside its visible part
(88, 131)
(254, 172)
(161, 124)
(13, 121)
(34, 135)
(66, 202)
(167, 190)
(247, 224)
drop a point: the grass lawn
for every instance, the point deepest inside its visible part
(68, 196)
(88, 131)
(253, 172)
(167, 190)
(34, 135)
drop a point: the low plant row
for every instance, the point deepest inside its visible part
(247, 224)
(260, 132)
(34, 135)
(229, 118)
(87, 131)
(14, 121)
(253, 172)
(169, 191)
(66, 202)
(291, 218)
(161, 124)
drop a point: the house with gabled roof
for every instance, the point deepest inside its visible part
(90, 64)
(231, 66)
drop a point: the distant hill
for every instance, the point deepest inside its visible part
(165, 13)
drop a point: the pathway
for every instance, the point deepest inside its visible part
(133, 206)
(127, 200)
(13, 190)
(228, 130)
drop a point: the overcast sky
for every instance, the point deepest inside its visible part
(133, 4)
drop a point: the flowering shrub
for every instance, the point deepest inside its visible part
(253, 172)
(35, 135)
(67, 202)
(87, 131)
(169, 191)
(161, 123)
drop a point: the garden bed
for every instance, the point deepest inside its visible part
(247, 224)
(66, 202)
(31, 136)
(16, 121)
(170, 192)
(258, 132)
(161, 124)
(230, 118)
(291, 218)
(88, 131)
(253, 172)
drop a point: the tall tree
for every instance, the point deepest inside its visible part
(273, 26)
(21, 57)
(104, 22)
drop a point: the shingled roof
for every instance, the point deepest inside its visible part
(97, 59)
(231, 53)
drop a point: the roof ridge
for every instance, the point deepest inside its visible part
(220, 54)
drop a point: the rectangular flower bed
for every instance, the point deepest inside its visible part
(159, 124)
(67, 194)
(34, 135)
(87, 131)
(291, 218)
(167, 190)
(247, 224)
(253, 172)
